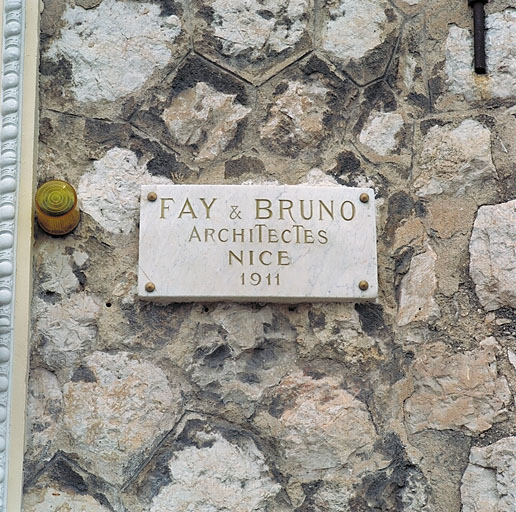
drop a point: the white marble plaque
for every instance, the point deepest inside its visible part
(257, 243)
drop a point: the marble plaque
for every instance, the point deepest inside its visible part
(257, 243)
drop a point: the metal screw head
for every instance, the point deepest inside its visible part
(364, 197)
(152, 196)
(150, 287)
(363, 285)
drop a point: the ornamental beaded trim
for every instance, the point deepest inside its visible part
(10, 142)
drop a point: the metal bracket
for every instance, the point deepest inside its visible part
(479, 35)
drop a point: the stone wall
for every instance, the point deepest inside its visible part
(403, 405)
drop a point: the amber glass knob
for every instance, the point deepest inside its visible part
(57, 209)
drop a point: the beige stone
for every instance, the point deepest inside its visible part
(238, 351)
(323, 428)
(418, 286)
(205, 117)
(244, 327)
(318, 178)
(411, 232)
(58, 500)
(336, 329)
(450, 267)
(492, 255)
(118, 412)
(457, 391)
(296, 118)
(512, 358)
(455, 160)
(448, 218)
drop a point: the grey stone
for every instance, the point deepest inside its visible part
(218, 477)
(110, 193)
(64, 486)
(489, 482)
(44, 416)
(56, 269)
(500, 82)
(415, 495)
(360, 37)
(88, 4)
(255, 38)
(442, 456)
(407, 72)
(381, 131)
(66, 330)
(51, 15)
(100, 42)
(241, 355)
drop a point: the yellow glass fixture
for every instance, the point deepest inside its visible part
(57, 209)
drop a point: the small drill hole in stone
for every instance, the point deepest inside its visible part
(108, 304)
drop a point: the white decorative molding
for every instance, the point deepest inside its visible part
(10, 143)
